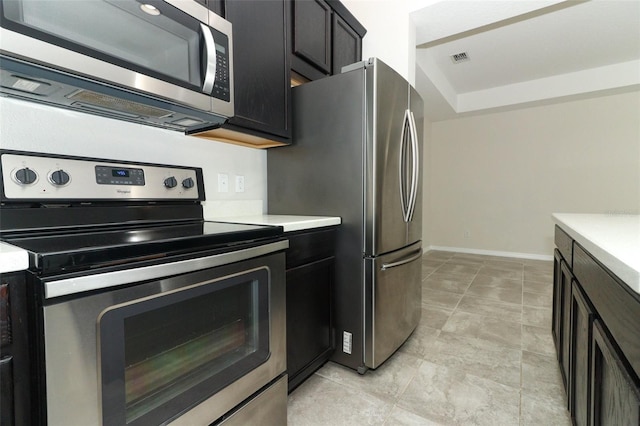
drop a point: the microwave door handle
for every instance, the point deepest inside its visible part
(211, 61)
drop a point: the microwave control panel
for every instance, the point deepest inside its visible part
(221, 86)
(46, 177)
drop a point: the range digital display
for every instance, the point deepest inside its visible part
(107, 175)
(120, 173)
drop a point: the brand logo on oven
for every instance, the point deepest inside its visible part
(123, 191)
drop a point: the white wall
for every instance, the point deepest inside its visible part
(500, 176)
(390, 33)
(32, 127)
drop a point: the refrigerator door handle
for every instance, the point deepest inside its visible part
(404, 201)
(401, 262)
(415, 163)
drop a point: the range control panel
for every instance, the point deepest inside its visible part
(27, 176)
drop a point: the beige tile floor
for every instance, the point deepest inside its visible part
(482, 355)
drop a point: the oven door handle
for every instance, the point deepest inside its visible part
(67, 286)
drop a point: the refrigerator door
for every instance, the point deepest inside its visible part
(386, 102)
(414, 226)
(393, 299)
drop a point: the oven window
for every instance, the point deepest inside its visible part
(163, 355)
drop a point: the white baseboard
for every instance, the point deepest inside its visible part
(491, 252)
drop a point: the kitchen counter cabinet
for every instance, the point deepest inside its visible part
(597, 334)
(563, 278)
(325, 37)
(261, 70)
(310, 272)
(310, 263)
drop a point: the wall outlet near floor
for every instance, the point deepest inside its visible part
(347, 341)
(223, 182)
(239, 183)
(467, 234)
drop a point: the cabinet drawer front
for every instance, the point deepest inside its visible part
(306, 247)
(615, 303)
(565, 244)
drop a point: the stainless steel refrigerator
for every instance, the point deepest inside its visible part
(357, 154)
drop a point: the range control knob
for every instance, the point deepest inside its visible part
(59, 178)
(188, 183)
(26, 176)
(170, 182)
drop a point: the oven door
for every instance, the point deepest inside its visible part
(188, 347)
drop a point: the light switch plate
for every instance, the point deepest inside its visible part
(239, 183)
(223, 182)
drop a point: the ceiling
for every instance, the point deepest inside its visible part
(523, 52)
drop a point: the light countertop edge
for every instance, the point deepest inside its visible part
(12, 258)
(614, 240)
(288, 222)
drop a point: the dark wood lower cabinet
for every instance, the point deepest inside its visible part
(310, 340)
(582, 315)
(615, 393)
(596, 331)
(310, 277)
(566, 278)
(556, 319)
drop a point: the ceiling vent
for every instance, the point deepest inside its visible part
(456, 58)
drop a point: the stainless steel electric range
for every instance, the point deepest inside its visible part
(138, 311)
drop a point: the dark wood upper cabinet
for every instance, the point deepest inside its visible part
(346, 46)
(312, 33)
(271, 38)
(261, 70)
(325, 37)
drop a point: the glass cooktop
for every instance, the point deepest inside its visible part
(93, 248)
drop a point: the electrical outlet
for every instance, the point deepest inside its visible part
(239, 183)
(347, 341)
(223, 182)
(467, 234)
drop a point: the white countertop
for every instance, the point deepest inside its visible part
(289, 223)
(16, 259)
(12, 258)
(613, 239)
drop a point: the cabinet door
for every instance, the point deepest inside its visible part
(261, 66)
(346, 45)
(566, 277)
(312, 33)
(556, 322)
(582, 316)
(615, 393)
(310, 339)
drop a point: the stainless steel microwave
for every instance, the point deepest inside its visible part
(167, 63)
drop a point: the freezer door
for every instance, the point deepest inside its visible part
(386, 101)
(393, 300)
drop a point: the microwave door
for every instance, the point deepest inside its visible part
(119, 42)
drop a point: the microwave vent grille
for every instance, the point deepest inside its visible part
(116, 104)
